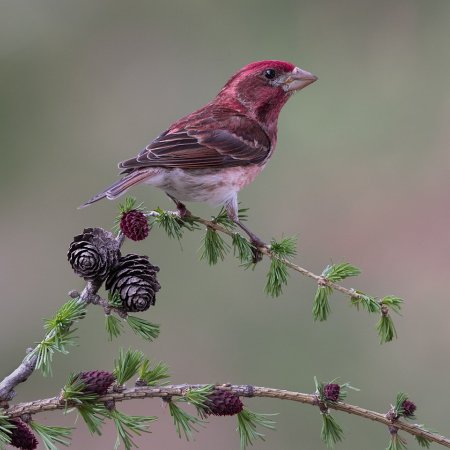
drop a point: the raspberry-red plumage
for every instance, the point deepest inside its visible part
(212, 153)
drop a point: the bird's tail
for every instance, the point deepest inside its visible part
(118, 188)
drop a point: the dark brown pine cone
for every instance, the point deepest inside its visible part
(409, 408)
(21, 436)
(96, 381)
(134, 279)
(223, 403)
(134, 225)
(332, 392)
(93, 254)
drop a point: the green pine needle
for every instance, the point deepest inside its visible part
(92, 413)
(385, 326)
(213, 248)
(128, 205)
(6, 428)
(286, 248)
(183, 421)
(170, 223)
(399, 400)
(54, 342)
(198, 397)
(66, 315)
(74, 390)
(94, 416)
(52, 435)
(114, 300)
(44, 356)
(331, 432)
(143, 328)
(59, 335)
(370, 304)
(127, 365)
(248, 422)
(242, 249)
(396, 443)
(156, 376)
(321, 306)
(319, 387)
(278, 274)
(277, 277)
(127, 426)
(332, 273)
(423, 441)
(113, 326)
(393, 303)
(242, 214)
(399, 408)
(338, 272)
(223, 219)
(386, 329)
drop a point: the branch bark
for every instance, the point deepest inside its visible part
(56, 403)
(19, 375)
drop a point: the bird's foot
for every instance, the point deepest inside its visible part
(255, 241)
(181, 207)
(257, 244)
(183, 211)
(257, 255)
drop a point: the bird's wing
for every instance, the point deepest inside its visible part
(236, 141)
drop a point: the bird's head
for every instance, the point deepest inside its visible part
(263, 87)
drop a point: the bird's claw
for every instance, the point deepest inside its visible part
(257, 254)
(183, 211)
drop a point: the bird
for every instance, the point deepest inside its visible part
(212, 153)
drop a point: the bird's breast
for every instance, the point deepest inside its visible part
(215, 186)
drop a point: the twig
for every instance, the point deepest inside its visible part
(27, 366)
(19, 375)
(265, 249)
(55, 403)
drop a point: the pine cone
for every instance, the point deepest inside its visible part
(96, 381)
(93, 254)
(21, 436)
(134, 279)
(134, 225)
(223, 403)
(332, 391)
(409, 408)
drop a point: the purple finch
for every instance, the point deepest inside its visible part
(212, 153)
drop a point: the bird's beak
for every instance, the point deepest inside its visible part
(298, 79)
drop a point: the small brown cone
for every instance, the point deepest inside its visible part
(97, 381)
(134, 225)
(93, 254)
(134, 279)
(223, 403)
(21, 436)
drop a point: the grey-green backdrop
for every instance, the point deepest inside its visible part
(361, 174)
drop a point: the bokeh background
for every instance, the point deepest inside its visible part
(361, 174)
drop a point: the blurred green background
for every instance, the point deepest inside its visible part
(361, 174)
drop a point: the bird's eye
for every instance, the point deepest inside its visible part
(270, 74)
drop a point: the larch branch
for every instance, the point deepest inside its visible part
(56, 403)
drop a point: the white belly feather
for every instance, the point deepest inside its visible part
(203, 185)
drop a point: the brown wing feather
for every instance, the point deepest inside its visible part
(215, 142)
